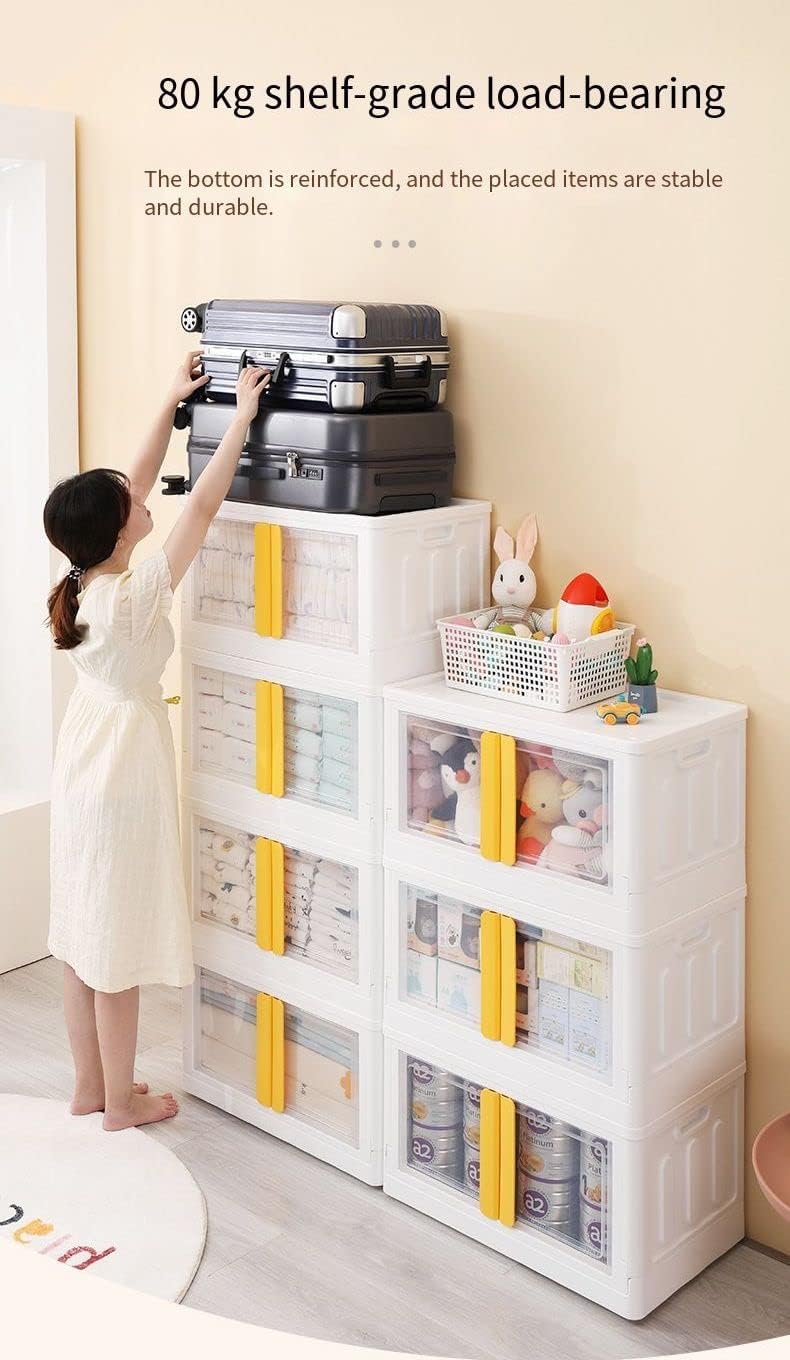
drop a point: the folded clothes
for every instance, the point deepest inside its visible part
(210, 708)
(238, 757)
(228, 892)
(338, 720)
(208, 681)
(228, 536)
(238, 721)
(210, 747)
(338, 747)
(302, 713)
(237, 689)
(223, 873)
(236, 849)
(306, 743)
(315, 549)
(334, 796)
(335, 772)
(305, 768)
(226, 611)
(322, 632)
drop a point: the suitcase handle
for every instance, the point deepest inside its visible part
(174, 485)
(278, 373)
(261, 474)
(404, 382)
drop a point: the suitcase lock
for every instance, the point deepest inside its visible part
(292, 460)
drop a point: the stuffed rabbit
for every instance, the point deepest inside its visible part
(514, 586)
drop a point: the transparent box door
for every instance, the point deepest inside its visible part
(320, 738)
(319, 583)
(562, 985)
(321, 1058)
(321, 897)
(562, 1172)
(563, 812)
(442, 779)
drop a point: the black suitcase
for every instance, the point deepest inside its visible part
(326, 355)
(366, 464)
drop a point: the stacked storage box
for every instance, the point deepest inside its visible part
(564, 1042)
(293, 620)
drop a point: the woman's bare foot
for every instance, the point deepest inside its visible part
(92, 1102)
(142, 1109)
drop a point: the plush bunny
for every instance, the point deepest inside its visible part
(514, 586)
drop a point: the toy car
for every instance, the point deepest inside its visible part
(620, 710)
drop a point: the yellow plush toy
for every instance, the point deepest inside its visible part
(541, 808)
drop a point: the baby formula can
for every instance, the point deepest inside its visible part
(592, 1171)
(436, 1097)
(471, 1168)
(472, 1114)
(548, 1204)
(547, 1148)
(436, 1151)
(592, 1230)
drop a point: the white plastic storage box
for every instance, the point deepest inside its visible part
(295, 908)
(302, 751)
(543, 674)
(341, 596)
(624, 1218)
(302, 1069)
(632, 1026)
(622, 827)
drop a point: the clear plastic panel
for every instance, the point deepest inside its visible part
(321, 749)
(442, 779)
(562, 1174)
(321, 897)
(321, 1058)
(441, 937)
(320, 756)
(322, 1074)
(223, 576)
(320, 588)
(562, 812)
(563, 1005)
(562, 1181)
(322, 913)
(227, 1031)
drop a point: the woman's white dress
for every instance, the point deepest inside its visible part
(119, 912)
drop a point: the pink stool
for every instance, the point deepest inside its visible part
(771, 1162)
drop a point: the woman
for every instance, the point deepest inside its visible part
(119, 915)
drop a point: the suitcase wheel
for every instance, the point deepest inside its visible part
(190, 319)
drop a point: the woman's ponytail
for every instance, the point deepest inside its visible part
(63, 604)
(83, 517)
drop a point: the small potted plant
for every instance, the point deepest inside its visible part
(642, 678)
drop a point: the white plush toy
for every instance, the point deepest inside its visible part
(514, 586)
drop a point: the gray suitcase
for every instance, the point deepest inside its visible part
(362, 464)
(326, 355)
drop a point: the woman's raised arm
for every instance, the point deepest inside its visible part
(187, 536)
(151, 455)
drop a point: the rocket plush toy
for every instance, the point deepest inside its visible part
(583, 611)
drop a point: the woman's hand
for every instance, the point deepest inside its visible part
(188, 378)
(252, 383)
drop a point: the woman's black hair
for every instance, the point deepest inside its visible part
(83, 517)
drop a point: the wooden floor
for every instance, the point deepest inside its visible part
(297, 1245)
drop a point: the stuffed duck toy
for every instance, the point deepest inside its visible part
(583, 611)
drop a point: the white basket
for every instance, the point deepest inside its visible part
(541, 674)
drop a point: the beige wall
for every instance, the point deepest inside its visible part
(620, 361)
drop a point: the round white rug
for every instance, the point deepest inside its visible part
(117, 1204)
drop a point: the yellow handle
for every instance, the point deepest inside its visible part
(278, 741)
(490, 795)
(507, 805)
(507, 957)
(489, 1154)
(278, 1056)
(270, 738)
(263, 892)
(276, 580)
(173, 699)
(278, 898)
(490, 974)
(268, 580)
(507, 1161)
(262, 579)
(263, 736)
(263, 1050)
